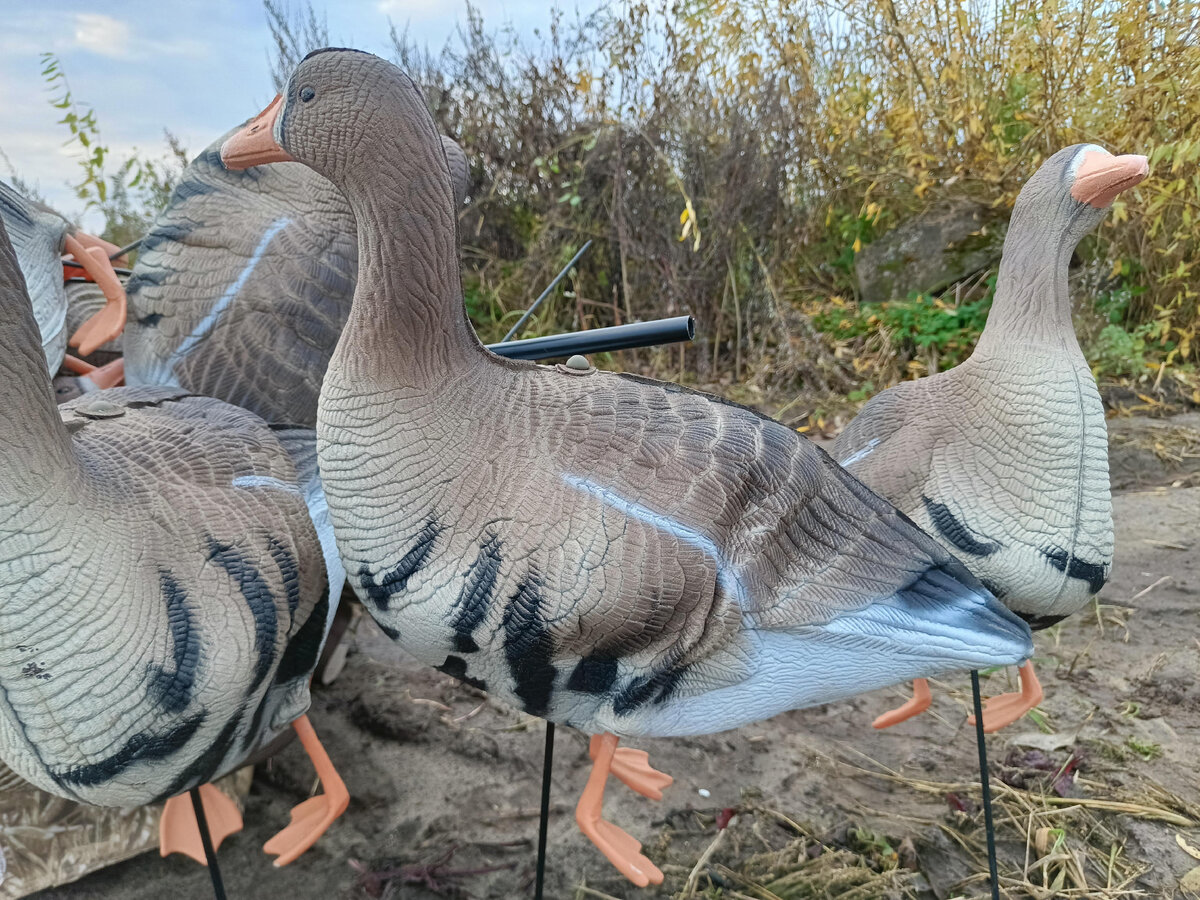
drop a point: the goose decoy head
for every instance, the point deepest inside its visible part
(338, 106)
(257, 142)
(1100, 176)
(1076, 186)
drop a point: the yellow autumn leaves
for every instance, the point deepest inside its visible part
(908, 101)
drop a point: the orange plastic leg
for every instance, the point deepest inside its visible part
(106, 376)
(90, 240)
(109, 322)
(1004, 709)
(920, 701)
(313, 817)
(632, 767)
(621, 849)
(77, 366)
(178, 831)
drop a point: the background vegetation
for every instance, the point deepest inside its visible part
(730, 159)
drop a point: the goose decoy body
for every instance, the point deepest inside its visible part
(1004, 459)
(40, 238)
(165, 585)
(243, 284)
(601, 550)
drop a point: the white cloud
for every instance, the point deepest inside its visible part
(102, 34)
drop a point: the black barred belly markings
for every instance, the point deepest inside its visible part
(962, 538)
(528, 644)
(172, 689)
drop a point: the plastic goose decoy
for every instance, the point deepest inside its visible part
(1005, 458)
(243, 284)
(40, 238)
(164, 588)
(606, 551)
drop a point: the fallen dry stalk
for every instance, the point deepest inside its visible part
(1000, 789)
(689, 889)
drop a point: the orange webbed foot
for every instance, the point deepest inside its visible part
(313, 817)
(920, 701)
(620, 848)
(179, 832)
(1004, 709)
(623, 850)
(632, 767)
(108, 322)
(108, 375)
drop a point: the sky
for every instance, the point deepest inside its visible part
(197, 67)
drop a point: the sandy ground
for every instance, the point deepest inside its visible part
(440, 775)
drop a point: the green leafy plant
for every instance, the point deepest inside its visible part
(80, 120)
(931, 329)
(128, 195)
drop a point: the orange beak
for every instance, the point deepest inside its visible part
(1102, 176)
(254, 144)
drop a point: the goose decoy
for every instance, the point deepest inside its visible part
(243, 284)
(1004, 459)
(611, 552)
(40, 238)
(165, 569)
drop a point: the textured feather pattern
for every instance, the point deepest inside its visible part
(649, 562)
(243, 285)
(604, 550)
(160, 577)
(37, 236)
(1005, 458)
(1006, 462)
(301, 447)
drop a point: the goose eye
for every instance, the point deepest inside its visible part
(307, 93)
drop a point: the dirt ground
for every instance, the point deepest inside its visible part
(1094, 796)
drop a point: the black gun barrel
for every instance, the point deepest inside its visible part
(600, 340)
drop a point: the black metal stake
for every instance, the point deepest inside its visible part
(210, 855)
(548, 757)
(987, 789)
(546, 293)
(654, 333)
(544, 824)
(127, 249)
(621, 337)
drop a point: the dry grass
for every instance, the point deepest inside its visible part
(1050, 846)
(1172, 444)
(765, 855)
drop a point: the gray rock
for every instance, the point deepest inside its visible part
(948, 242)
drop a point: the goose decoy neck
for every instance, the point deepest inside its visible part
(1032, 303)
(33, 442)
(1066, 198)
(362, 123)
